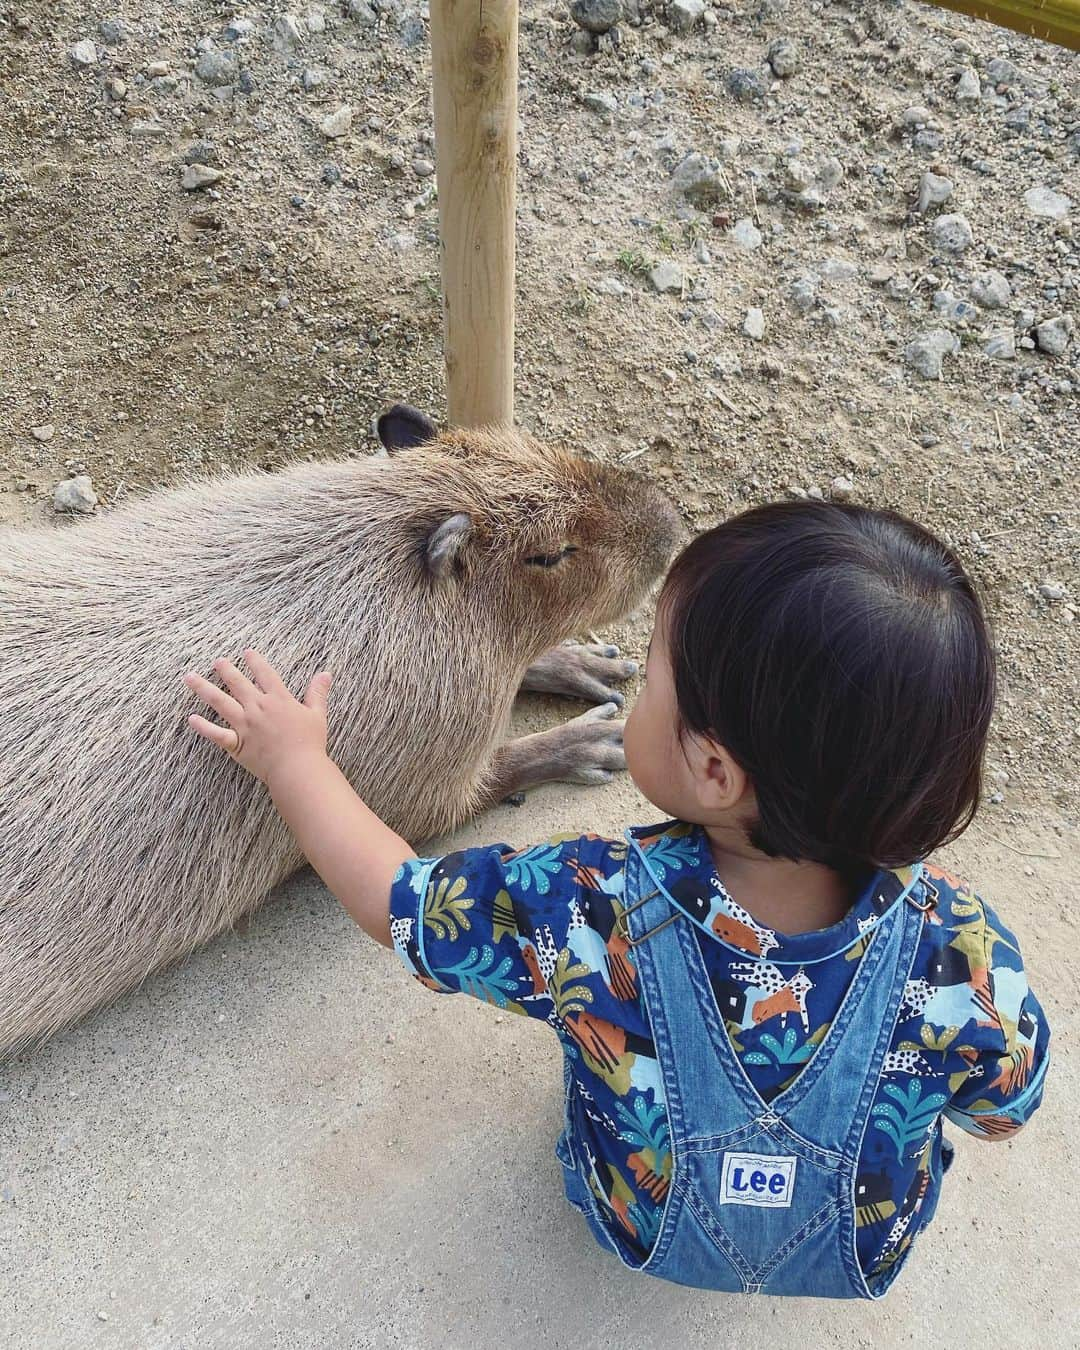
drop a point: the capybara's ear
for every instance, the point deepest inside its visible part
(402, 427)
(445, 543)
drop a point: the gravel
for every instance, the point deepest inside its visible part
(115, 32)
(202, 152)
(745, 85)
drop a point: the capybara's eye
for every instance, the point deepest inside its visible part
(551, 559)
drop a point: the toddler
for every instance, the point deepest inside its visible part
(767, 1004)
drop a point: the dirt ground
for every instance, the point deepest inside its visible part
(249, 1137)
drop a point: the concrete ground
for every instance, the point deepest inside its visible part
(287, 1143)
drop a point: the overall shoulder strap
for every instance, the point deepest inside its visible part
(692, 1043)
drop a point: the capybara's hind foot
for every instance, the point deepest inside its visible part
(580, 670)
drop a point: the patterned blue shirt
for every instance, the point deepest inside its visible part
(533, 932)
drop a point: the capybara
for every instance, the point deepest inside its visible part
(428, 581)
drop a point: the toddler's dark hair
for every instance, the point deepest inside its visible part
(842, 657)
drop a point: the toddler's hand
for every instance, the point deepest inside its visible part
(266, 725)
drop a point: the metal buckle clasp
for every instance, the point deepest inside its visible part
(927, 908)
(621, 925)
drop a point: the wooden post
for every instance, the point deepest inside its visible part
(1052, 20)
(474, 58)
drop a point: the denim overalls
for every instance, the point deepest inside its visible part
(762, 1197)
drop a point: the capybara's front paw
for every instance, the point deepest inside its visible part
(581, 670)
(590, 748)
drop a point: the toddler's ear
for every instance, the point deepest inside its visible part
(725, 783)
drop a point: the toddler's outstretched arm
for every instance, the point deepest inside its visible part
(283, 742)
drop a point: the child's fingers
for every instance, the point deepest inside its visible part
(215, 696)
(239, 685)
(317, 690)
(225, 737)
(264, 672)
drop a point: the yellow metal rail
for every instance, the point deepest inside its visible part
(1052, 20)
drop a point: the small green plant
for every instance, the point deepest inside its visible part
(581, 303)
(429, 284)
(664, 242)
(633, 262)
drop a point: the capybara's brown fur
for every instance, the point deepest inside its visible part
(427, 582)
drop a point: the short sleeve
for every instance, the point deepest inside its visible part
(1004, 1087)
(464, 923)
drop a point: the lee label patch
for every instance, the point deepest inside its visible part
(751, 1179)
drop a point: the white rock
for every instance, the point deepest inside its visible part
(925, 354)
(917, 116)
(837, 269)
(968, 88)
(667, 277)
(198, 176)
(288, 33)
(44, 433)
(238, 30)
(991, 290)
(75, 494)
(1052, 335)
(784, 57)
(933, 191)
(605, 104)
(951, 233)
(610, 286)
(156, 69)
(315, 19)
(1047, 204)
(841, 487)
(746, 234)
(338, 123)
(683, 14)
(753, 326)
(803, 293)
(1002, 72)
(83, 54)
(1000, 346)
(697, 178)
(1052, 590)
